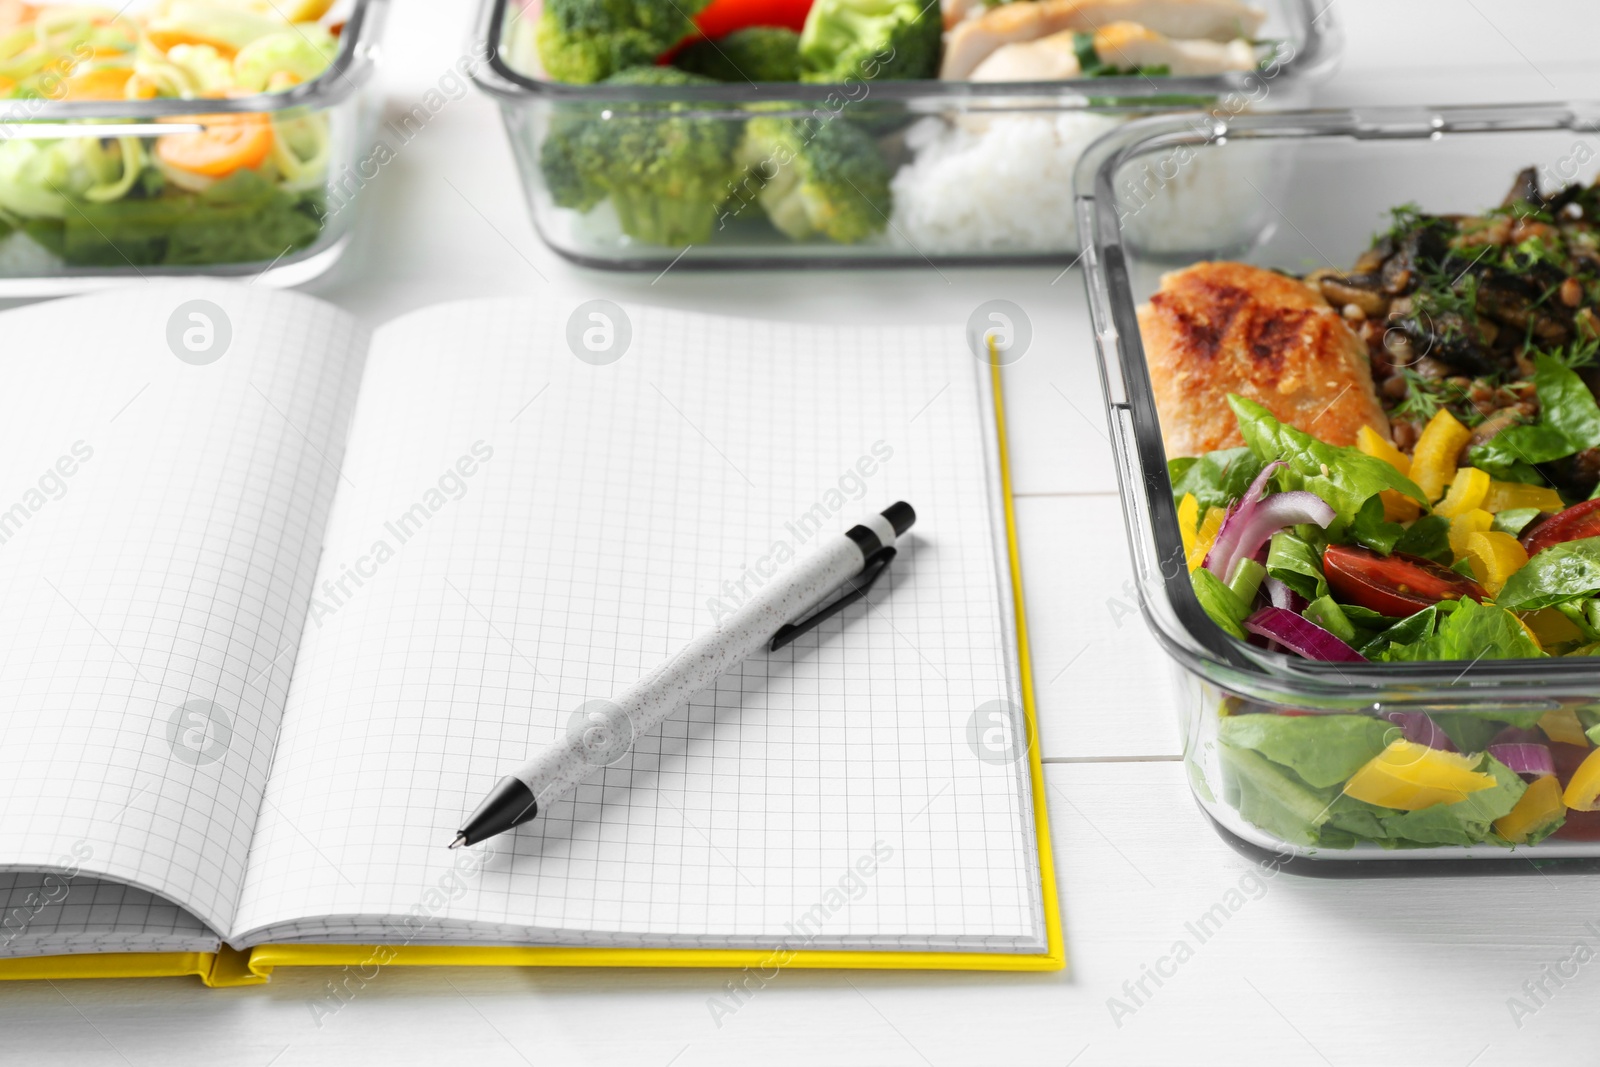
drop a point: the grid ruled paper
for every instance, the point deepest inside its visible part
(520, 531)
(159, 527)
(52, 914)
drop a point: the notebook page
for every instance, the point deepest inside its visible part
(527, 531)
(53, 913)
(159, 526)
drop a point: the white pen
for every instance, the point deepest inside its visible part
(773, 617)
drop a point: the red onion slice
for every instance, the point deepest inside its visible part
(1223, 548)
(1301, 636)
(1516, 735)
(1534, 760)
(1245, 531)
(1420, 729)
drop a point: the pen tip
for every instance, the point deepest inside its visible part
(460, 840)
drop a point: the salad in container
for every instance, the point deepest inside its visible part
(1364, 492)
(175, 136)
(783, 132)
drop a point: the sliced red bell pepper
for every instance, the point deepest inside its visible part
(724, 16)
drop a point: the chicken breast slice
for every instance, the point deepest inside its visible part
(1049, 58)
(972, 40)
(954, 11)
(1219, 328)
(1129, 44)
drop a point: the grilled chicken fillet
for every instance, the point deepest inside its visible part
(971, 40)
(1123, 44)
(1128, 44)
(1219, 328)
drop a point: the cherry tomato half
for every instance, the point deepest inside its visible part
(1577, 522)
(1396, 585)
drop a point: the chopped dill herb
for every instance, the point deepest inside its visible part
(1425, 396)
(1574, 355)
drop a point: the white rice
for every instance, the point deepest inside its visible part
(1003, 185)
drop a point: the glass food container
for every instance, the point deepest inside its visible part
(1303, 190)
(974, 172)
(285, 221)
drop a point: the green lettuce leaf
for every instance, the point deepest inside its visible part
(1408, 631)
(1326, 613)
(1569, 422)
(1513, 520)
(1272, 798)
(1561, 573)
(1279, 800)
(1366, 618)
(1428, 537)
(1216, 479)
(1468, 732)
(1323, 750)
(1371, 531)
(1296, 563)
(1220, 602)
(1344, 477)
(1470, 631)
(1468, 821)
(1351, 820)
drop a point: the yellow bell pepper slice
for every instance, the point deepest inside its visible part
(1503, 496)
(1411, 777)
(1583, 790)
(1529, 631)
(1562, 725)
(1205, 537)
(1433, 461)
(1397, 507)
(1463, 526)
(1467, 491)
(1494, 557)
(1540, 804)
(1188, 519)
(1374, 444)
(1551, 627)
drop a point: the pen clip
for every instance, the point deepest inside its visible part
(876, 564)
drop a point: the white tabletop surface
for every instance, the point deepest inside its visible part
(1304, 971)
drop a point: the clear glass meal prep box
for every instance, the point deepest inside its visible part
(1303, 190)
(88, 242)
(993, 161)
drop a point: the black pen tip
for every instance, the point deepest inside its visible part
(460, 840)
(900, 516)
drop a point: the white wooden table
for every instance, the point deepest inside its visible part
(1302, 971)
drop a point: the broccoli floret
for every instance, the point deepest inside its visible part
(756, 54)
(860, 40)
(817, 177)
(666, 174)
(585, 41)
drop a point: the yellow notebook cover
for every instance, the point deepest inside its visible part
(230, 967)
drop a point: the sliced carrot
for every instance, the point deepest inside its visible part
(228, 143)
(165, 39)
(106, 83)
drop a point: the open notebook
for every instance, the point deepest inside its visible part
(271, 625)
